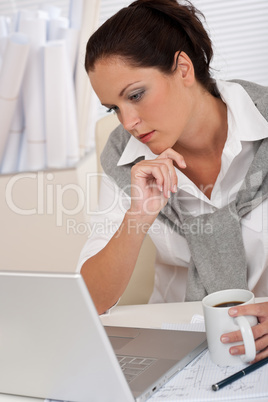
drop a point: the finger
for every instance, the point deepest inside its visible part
(173, 180)
(148, 172)
(237, 350)
(262, 343)
(257, 309)
(258, 331)
(167, 179)
(240, 349)
(155, 171)
(232, 337)
(168, 175)
(259, 356)
(167, 183)
(175, 156)
(261, 346)
(259, 334)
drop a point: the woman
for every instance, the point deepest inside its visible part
(176, 165)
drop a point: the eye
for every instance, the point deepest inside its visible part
(113, 109)
(136, 97)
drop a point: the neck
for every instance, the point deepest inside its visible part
(207, 130)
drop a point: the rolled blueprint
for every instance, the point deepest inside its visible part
(71, 36)
(52, 11)
(3, 37)
(72, 138)
(84, 91)
(22, 162)
(54, 26)
(55, 103)
(11, 75)
(3, 26)
(33, 94)
(11, 155)
(76, 9)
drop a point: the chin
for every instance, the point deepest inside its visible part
(157, 149)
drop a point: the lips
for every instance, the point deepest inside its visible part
(146, 137)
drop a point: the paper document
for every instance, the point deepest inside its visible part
(197, 325)
(194, 382)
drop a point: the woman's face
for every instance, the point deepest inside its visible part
(153, 107)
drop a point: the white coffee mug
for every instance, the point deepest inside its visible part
(219, 322)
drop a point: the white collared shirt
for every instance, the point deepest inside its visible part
(245, 126)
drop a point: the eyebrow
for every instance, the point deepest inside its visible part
(124, 89)
(121, 93)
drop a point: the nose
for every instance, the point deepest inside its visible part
(129, 118)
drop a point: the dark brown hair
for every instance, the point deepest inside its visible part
(148, 33)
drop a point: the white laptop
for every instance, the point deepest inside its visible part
(53, 345)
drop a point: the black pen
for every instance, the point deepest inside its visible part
(239, 374)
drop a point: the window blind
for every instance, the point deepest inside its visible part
(239, 32)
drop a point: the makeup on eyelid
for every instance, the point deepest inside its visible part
(139, 92)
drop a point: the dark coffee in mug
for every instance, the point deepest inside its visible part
(229, 304)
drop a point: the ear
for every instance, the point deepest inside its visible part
(183, 66)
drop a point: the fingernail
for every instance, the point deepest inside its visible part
(232, 311)
(225, 339)
(234, 351)
(183, 164)
(175, 188)
(168, 193)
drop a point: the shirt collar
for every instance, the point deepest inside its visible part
(245, 123)
(244, 119)
(135, 149)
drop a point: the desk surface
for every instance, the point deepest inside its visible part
(144, 316)
(154, 315)
(151, 315)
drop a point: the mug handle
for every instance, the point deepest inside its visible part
(248, 339)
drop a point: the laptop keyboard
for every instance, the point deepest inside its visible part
(134, 366)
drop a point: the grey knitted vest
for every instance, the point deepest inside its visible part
(218, 259)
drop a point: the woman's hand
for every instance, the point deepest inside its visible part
(260, 331)
(153, 181)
